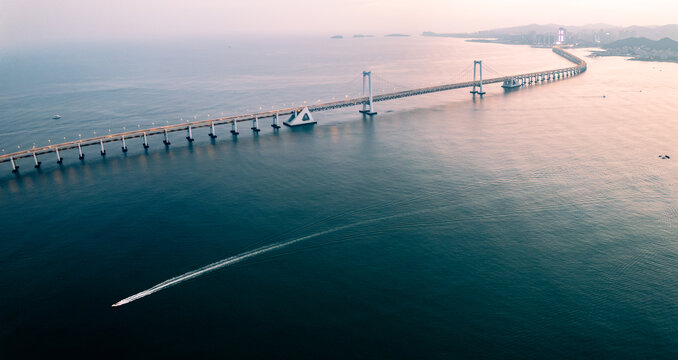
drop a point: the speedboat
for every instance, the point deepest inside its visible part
(56, 117)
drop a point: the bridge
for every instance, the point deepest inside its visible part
(297, 115)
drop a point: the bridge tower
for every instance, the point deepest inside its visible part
(478, 63)
(368, 75)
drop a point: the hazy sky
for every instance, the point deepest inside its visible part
(50, 21)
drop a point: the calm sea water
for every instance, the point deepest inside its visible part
(529, 224)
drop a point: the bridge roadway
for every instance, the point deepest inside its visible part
(580, 66)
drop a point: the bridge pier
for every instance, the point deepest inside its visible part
(276, 122)
(81, 156)
(15, 168)
(124, 144)
(37, 163)
(59, 158)
(255, 124)
(480, 92)
(234, 128)
(370, 111)
(190, 134)
(213, 133)
(145, 141)
(166, 141)
(300, 117)
(103, 151)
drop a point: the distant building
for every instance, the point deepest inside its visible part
(561, 36)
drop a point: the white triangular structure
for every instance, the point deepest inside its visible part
(300, 117)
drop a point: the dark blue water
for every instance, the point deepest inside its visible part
(530, 224)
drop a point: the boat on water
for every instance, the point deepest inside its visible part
(511, 83)
(56, 117)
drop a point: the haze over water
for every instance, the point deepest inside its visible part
(542, 223)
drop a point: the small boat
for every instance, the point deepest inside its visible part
(56, 117)
(511, 83)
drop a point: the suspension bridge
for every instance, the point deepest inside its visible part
(296, 116)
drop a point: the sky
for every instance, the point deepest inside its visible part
(63, 21)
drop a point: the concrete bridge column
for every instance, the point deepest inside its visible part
(255, 124)
(81, 156)
(276, 122)
(124, 144)
(37, 163)
(15, 168)
(234, 128)
(166, 141)
(190, 134)
(145, 141)
(59, 158)
(103, 151)
(213, 132)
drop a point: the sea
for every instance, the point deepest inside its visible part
(535, 223)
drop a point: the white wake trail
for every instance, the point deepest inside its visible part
(237, 258)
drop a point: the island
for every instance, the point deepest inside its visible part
(642, 49)
(336, 37)
(397, 35)
(456, 35)
(362, 36)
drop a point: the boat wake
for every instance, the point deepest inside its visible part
(240, 257)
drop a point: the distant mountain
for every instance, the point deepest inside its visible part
(644, 43)
(611, 31)
(653, 32)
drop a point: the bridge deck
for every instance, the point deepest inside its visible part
(580, 67)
